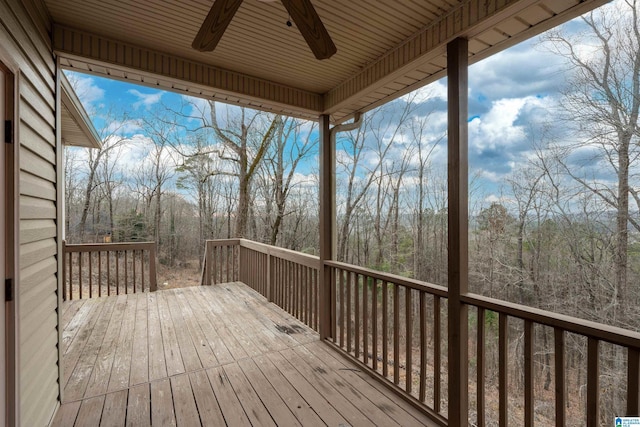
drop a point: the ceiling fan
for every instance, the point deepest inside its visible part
(301, 12)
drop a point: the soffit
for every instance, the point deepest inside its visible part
(385, 47)
(77, 129)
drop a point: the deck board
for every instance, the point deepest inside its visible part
(115, 409)
(140, 366)
(211, 356)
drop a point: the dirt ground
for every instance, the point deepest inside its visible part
(178, 277)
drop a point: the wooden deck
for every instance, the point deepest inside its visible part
(211, 356)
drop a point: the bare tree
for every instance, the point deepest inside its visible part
(602, 99)
(160, 168)
(362, 155)
(248, 144)
(293, 143)
(112, 136)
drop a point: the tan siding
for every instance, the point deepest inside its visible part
(32, 185)
(29, 50)
(35, 121)
(32, 140)
(41, 250)
(31, 231)
(36, 165)
(44, 107)
(43, 381)
(35, 300)
(34, 208)
(34, 349)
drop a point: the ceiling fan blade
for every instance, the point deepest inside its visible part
(311, 27)
(215, 24)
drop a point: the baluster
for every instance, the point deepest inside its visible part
(396, 334)
(593, 383)
(117, 260)
(437, 331)
(80, 272)
(90, 274)
(385, 329)
(374, 316)
(342, 307)
(357, 313)
(503, 365)
(99, 273)
(480, 356)
(349, 318)
(70, 276)
(423, 346)
(126, 271)
(108, 273)
(633, 382)
(528, 374)
(409, 339)
(365, 319)
(559, 376)
(133, 262)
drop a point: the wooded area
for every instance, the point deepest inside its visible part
(563, 235)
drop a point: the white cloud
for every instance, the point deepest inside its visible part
(86, 89)
(498, 128)
(435, 90)
(146, 100)
(125, 127)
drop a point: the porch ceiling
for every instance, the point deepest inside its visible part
(386, 48)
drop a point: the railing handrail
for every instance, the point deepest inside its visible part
(287, 254)
(587, 328)
(418, 285)
(223, 242)
(102, 247)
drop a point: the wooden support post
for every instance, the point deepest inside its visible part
(65, 273)
(327, 224)
(457, 66)
(593, 383)
(209, 263)
(153, 278)
(271, 280)
(633, 382)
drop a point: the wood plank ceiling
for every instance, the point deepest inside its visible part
(386, 48)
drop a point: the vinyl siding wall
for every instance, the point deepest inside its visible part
(27, 47)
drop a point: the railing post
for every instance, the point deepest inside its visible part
(327, 222)
(64, 270)
(271, 283)
(153, 279)
(209, 261)
(593, 383)
(457, 69)
(633, 382)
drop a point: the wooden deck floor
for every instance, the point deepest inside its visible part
(211, 356)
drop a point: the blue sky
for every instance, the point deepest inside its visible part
(512, 96)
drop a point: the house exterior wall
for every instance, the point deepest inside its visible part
(24, 47)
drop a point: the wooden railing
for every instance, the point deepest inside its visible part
(396, 329)
(101, 269)
(287, 278)
(523, 322)
(393, 327)
(220, 262)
